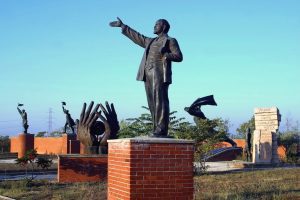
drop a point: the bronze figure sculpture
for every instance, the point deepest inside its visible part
(24, 118)
(69, 121)
(155, 70)
(248, 145)
(94, 134)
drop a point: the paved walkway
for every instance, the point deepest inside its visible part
(37, 175)
(225, 166)
(49, 175)
(14, 161)
(7, 161)
(235, 166)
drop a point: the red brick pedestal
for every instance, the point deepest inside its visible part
(26, 142)
(150, 168)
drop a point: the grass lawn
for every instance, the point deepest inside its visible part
(263, 184)
(43, 190)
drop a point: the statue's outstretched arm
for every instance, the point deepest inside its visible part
(132, 34)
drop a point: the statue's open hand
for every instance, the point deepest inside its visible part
(111, 120)
(86, 123)
(118, 23)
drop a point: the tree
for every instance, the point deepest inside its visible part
(206, 134)
(177, 126)
(142, 126)
(242, 130)
(30, 159)
(203, 130)
(290, 140)
(41, 134)
(56, 134)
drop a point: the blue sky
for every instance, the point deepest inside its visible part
(245, 53)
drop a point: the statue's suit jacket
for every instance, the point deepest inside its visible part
(173, 52)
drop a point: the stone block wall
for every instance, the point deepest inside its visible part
(265, 148)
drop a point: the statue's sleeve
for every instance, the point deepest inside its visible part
(135, 36)
(175, 52)
(19, 111)
(63, 109)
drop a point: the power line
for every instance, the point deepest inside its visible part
(50, 121)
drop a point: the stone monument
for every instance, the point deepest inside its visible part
(264, 138)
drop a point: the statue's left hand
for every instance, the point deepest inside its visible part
(164, 53)
(163, 50)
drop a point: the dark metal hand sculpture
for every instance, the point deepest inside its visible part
(195, 108)
(24, 118)
(69, 121)
(155, 69)
(112, 119)
(94, 134)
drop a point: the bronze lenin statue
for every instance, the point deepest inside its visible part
(155, 70)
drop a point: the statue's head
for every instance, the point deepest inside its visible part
(23, 110)
(161, 26)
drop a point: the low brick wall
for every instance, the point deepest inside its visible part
(153, 168)
(50, 145)
(82, 168)
(14, 144)
(47, 145)
(239, 143)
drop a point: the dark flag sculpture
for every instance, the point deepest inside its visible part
(195, 108)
